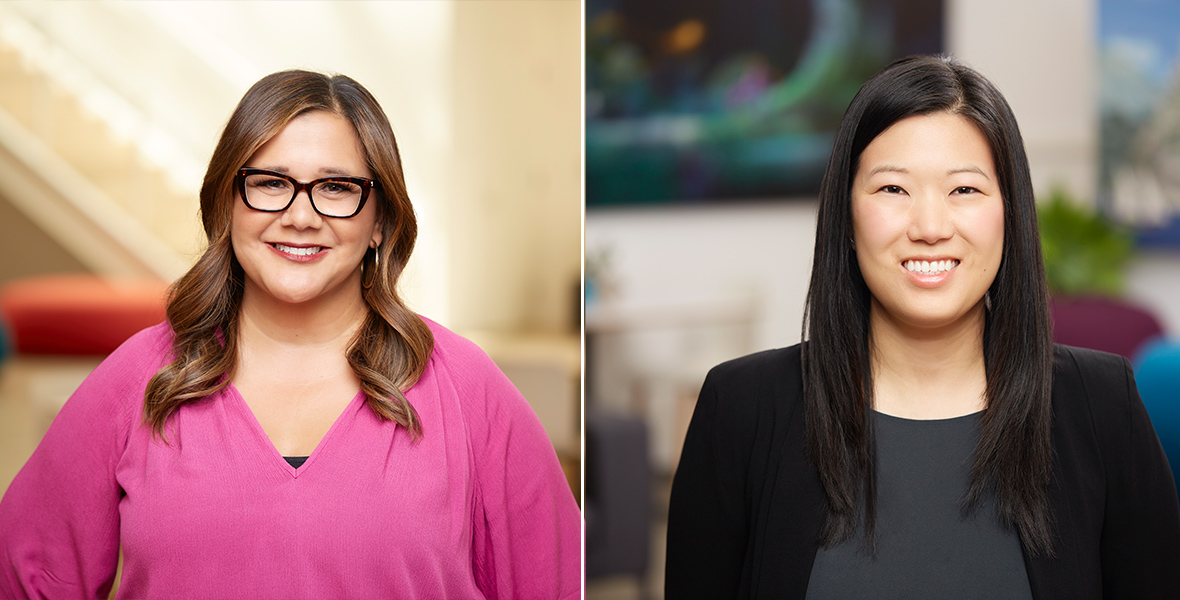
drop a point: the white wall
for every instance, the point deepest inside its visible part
(515, 170)
(1042, 57)
(1153, 281)
(1040, 54)
(713, 255)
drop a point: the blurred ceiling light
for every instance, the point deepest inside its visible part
(685, 37)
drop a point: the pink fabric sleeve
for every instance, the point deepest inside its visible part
(59, 519)
(527, 527)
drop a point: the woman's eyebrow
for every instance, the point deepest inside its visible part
(888, 168)
(968, 169)
(331, 171)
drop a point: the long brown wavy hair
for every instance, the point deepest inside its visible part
(389, 351)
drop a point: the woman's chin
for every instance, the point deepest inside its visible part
(939, 321)
(296, 297)
(932, 316)
(299, 294)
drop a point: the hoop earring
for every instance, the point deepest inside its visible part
(368, 276)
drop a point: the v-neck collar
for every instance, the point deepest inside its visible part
(268, 446)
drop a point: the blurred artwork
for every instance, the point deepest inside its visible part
(1139, 103)
(721, 100)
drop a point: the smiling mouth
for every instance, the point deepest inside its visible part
(926, 267)
(310, 250)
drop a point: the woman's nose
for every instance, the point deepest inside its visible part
(930, 220)
(301, 214)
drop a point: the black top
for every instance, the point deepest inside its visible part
(295, 461)
(747, 503)
(925, 548)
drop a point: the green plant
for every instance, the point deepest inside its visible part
(1084, 251)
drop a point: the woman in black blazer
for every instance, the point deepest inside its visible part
(928, 440)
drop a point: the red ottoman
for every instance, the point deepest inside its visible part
(79, 314)
(1105, 324)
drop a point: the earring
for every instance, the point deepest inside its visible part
(370, 275)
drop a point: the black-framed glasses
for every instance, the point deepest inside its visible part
(270, 191)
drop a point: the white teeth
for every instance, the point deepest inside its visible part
(299, 251)
(924, 266)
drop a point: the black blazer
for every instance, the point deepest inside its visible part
(747, 503)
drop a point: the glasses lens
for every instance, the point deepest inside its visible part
(267, 192)
(337, 198)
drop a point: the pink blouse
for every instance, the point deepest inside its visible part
(477, 508)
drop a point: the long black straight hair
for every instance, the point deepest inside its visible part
(1013, 455)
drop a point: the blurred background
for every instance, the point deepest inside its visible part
(707, 124)
(109, 112)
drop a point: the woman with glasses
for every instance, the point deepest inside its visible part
(293, 430)
(927, 440)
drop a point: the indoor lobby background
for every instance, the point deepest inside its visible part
(109, 112)
(677, 289)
